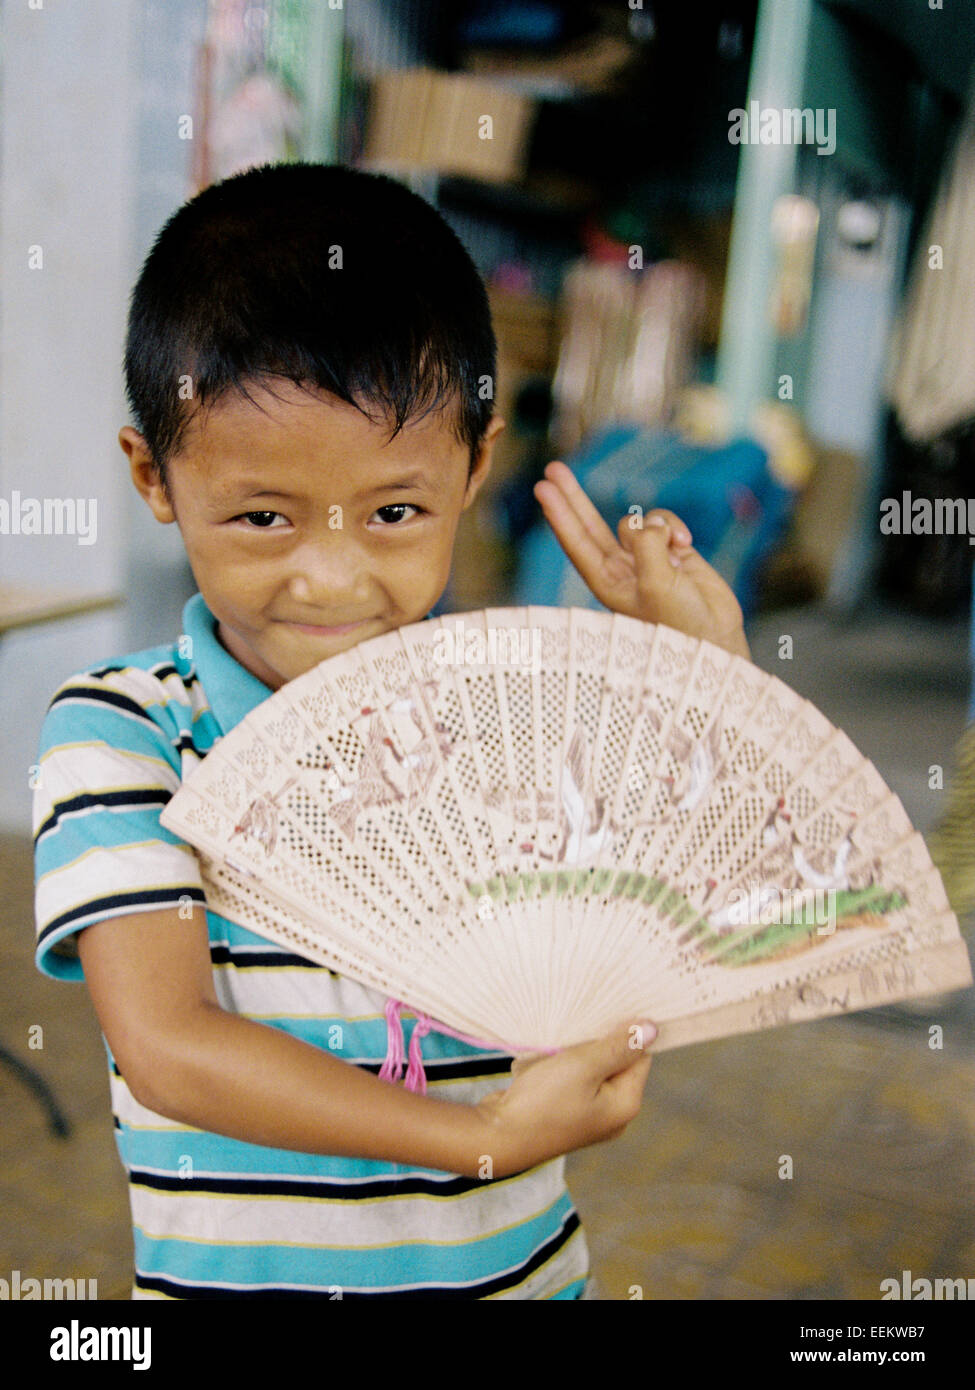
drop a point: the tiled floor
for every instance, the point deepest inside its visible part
(696, 1200)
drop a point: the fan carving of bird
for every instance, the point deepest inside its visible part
(701, 767)
(835, 875)
(423, 760)
(372, 786)
(583, 818)
(260, 821)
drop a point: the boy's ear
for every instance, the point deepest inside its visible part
(482, 464)
(145, 473)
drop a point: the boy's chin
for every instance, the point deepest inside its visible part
(307, 649)
(290, 650)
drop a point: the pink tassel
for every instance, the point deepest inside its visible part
(396, 1057)
(416, 1077)
(392, 1067)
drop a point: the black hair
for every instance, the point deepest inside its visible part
(320, 274)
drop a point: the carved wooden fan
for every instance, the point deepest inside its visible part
(536, 824)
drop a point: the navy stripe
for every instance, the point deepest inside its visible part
(73, 693)
(109, 669)
(168, 896)
(453, 1069)
(135, 796)
(249, 1185)
(242, 959)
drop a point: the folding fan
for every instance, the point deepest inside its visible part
(536, 824)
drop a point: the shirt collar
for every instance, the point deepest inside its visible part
(231, 691)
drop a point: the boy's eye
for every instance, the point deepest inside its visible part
(397, 509)
(263, 519)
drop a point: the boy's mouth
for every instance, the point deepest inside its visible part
(317, 631)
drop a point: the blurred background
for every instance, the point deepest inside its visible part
(696, 307)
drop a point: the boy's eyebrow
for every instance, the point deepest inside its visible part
(417, 481)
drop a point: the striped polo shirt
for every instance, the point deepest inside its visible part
(215, 1217)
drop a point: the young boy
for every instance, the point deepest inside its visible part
(306, 358)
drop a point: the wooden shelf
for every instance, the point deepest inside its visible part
(23, 606)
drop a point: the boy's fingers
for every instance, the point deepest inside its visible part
(658, 520)
(608, 575)
(657, 574)
(680, 532)
(621, 1049)
(576, 521)
(625, 1091)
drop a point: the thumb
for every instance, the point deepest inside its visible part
(621, 1049)
(658, 566)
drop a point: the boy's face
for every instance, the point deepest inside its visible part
(306, 527)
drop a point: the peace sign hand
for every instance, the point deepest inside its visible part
(652, 572)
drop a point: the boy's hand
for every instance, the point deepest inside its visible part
(652, 572)
(579, 1096)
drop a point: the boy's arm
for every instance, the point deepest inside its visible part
(183, 1056)
(650, 572)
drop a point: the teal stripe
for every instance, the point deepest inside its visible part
(80, 832)
(76, 723)
(163, 1151)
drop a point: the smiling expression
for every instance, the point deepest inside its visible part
(306, 527)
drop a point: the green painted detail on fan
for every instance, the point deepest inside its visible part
(758, 941)
(750, 944)
(601, 879)
(875, 900)
(655, 886)
(601, 882)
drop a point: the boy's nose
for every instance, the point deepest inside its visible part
(329, 576)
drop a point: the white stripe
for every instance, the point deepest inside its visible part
(314, 1222)
(143, 686)
(100, 873)
(90, 767)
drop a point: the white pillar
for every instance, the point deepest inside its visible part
(68, 121)
(746, 352)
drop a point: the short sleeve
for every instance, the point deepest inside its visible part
(108, 763)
